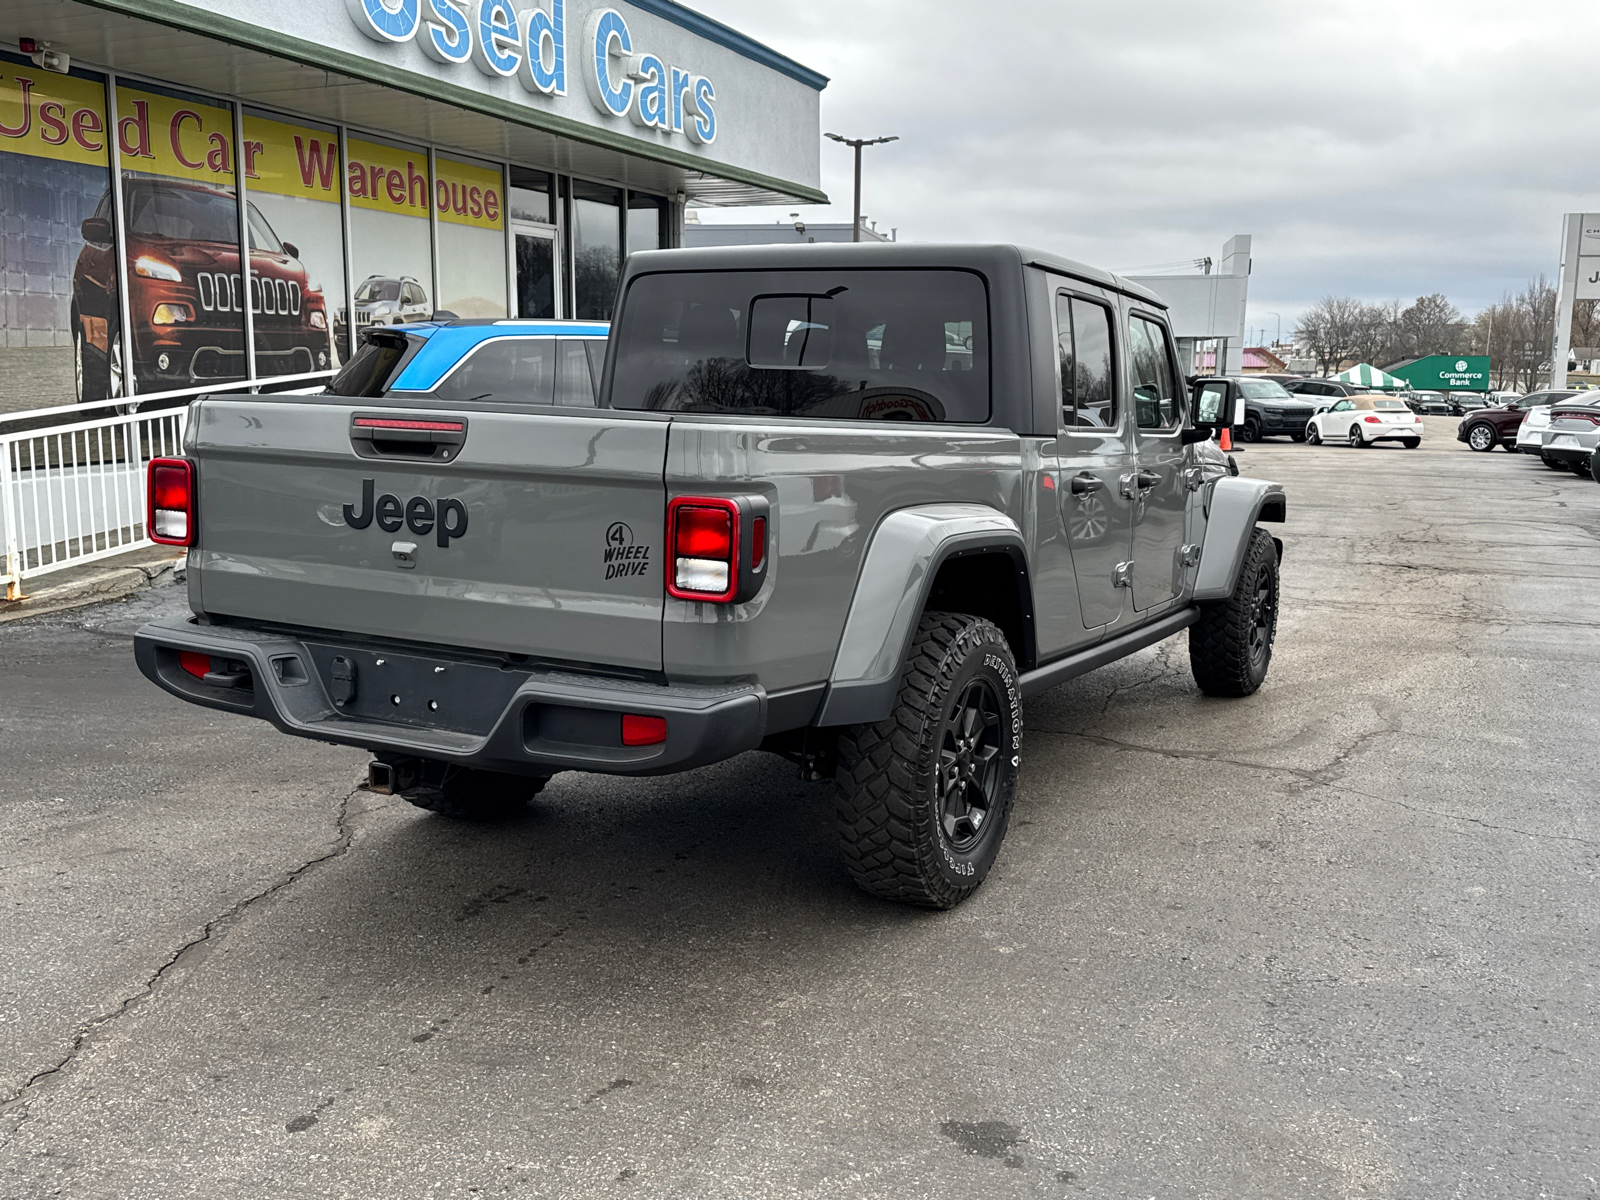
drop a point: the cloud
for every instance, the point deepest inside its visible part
(1377, 149)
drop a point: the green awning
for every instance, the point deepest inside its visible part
(1364, 375)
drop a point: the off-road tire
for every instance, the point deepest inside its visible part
(480, 796)
(1230, 646)
(1482, 437)
(893, 817)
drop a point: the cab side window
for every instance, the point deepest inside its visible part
(1088, 382)
(1155, 392)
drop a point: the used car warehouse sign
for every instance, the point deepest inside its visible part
(532, 46)
(1446, 372)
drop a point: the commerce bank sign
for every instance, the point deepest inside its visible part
(533, 47)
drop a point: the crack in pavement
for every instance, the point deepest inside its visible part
(1320, 778)
(19, 1099)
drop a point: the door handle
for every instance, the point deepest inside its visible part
(1147, 480)
(1083, 483)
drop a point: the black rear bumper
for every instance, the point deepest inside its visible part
(469, 713)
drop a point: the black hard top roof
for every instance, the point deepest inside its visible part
(980, 257)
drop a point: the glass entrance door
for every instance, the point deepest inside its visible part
(538, 270)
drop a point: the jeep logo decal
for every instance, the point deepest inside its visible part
(446, 517)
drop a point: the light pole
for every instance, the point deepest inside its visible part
(855, 228)
(1278, 337)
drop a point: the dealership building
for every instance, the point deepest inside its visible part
(183, 183)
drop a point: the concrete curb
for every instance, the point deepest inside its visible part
(94, 586)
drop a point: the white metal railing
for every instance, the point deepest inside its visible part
(273, 383)
(74, 493)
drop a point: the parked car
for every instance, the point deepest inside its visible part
(1366, 420)
(1433, 404)
(185, 299)
(1536, 418)
(1316, 389)
(1573, 435)
(1506, 424)
(436, 580)
(1468, 402)
(1269, 411)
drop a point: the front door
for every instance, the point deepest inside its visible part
(1091, 459)
(538, 267)
(1159, 488)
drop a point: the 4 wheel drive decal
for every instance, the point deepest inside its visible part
(446, 517)
(622, 556)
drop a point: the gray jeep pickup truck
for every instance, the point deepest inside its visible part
(850, 504)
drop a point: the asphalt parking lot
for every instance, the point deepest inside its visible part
(1336, 940)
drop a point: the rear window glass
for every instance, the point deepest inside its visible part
(852, 345)
(369, 372)
(1400, 404)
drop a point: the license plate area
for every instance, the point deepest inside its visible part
(415, 691)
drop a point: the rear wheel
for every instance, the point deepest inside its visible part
(924, 795)
(1482, 438)
(1297, 437)
(1230, 646)
(468, 795)
(1411, 443)
(1355, 436)
(1555, 464)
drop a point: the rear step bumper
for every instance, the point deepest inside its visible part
(467, 713)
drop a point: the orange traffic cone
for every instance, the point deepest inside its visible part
(1225, 442)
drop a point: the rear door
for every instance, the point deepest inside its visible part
(1092, 460)
(539, 535)
(1159, 488)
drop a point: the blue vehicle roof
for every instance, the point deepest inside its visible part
(447, 342)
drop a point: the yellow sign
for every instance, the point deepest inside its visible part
(290, 160)
(387, 178)
(53, 116)
(467, 194)
(181, 139)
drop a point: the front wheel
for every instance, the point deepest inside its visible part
(1482, 438)
(1252, 430)
(1313, 434)
(1230, 646)
(925, 794)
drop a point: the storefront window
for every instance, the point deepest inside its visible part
(596, 249)
(644, 221)
(59, 310)
(185, 297)
(292, 177)
(532, 196)
(470, 198)
(391, 247)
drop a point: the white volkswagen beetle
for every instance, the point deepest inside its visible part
(1364, 420)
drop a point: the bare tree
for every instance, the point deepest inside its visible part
(1430, 326)
(1328, 330)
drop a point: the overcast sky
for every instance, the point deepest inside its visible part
(1375, 148)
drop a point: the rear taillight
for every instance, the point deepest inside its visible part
(170, 515)
(1373, 420)
(194, 662)
(638, 730)
(718, 547)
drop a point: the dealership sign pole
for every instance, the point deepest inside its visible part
(1579, 280)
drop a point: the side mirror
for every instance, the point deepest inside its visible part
(96, 230)
(291, 249)
(1205, 415)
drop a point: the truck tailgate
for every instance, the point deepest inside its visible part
(541, 536)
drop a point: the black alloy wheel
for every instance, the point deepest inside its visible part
(1263, 617)
(1252, 430)
(969, 765)
(1481, 437)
